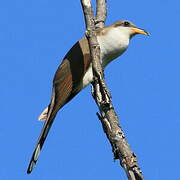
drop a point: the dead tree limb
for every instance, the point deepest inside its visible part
(101, 13)
(107, 115)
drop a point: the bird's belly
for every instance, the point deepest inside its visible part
(88, 77)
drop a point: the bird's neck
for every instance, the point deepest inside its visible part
(112, 43)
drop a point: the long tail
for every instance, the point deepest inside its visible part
(44, 132)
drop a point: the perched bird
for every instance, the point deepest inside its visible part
(75, 71)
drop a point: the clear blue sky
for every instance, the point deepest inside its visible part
(34, 37)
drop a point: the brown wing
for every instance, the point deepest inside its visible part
(66, 84)
(67, 80)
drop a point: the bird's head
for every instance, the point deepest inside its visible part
(128, 28)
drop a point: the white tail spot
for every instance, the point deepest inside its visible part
(37, 152)
(31, 166)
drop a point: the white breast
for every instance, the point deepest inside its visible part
(112, 45)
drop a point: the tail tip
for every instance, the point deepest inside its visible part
(28, 171)
(34, 159)
(31, 166)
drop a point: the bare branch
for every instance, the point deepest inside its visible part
(101, 13)
(107, 115)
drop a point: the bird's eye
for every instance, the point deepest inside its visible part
(126, 23)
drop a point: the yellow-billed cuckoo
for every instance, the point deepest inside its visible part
(75, 71)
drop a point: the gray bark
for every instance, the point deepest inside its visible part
(101, 94)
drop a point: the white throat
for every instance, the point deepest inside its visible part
(113, 44)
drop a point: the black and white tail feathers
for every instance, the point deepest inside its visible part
(49, 114)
